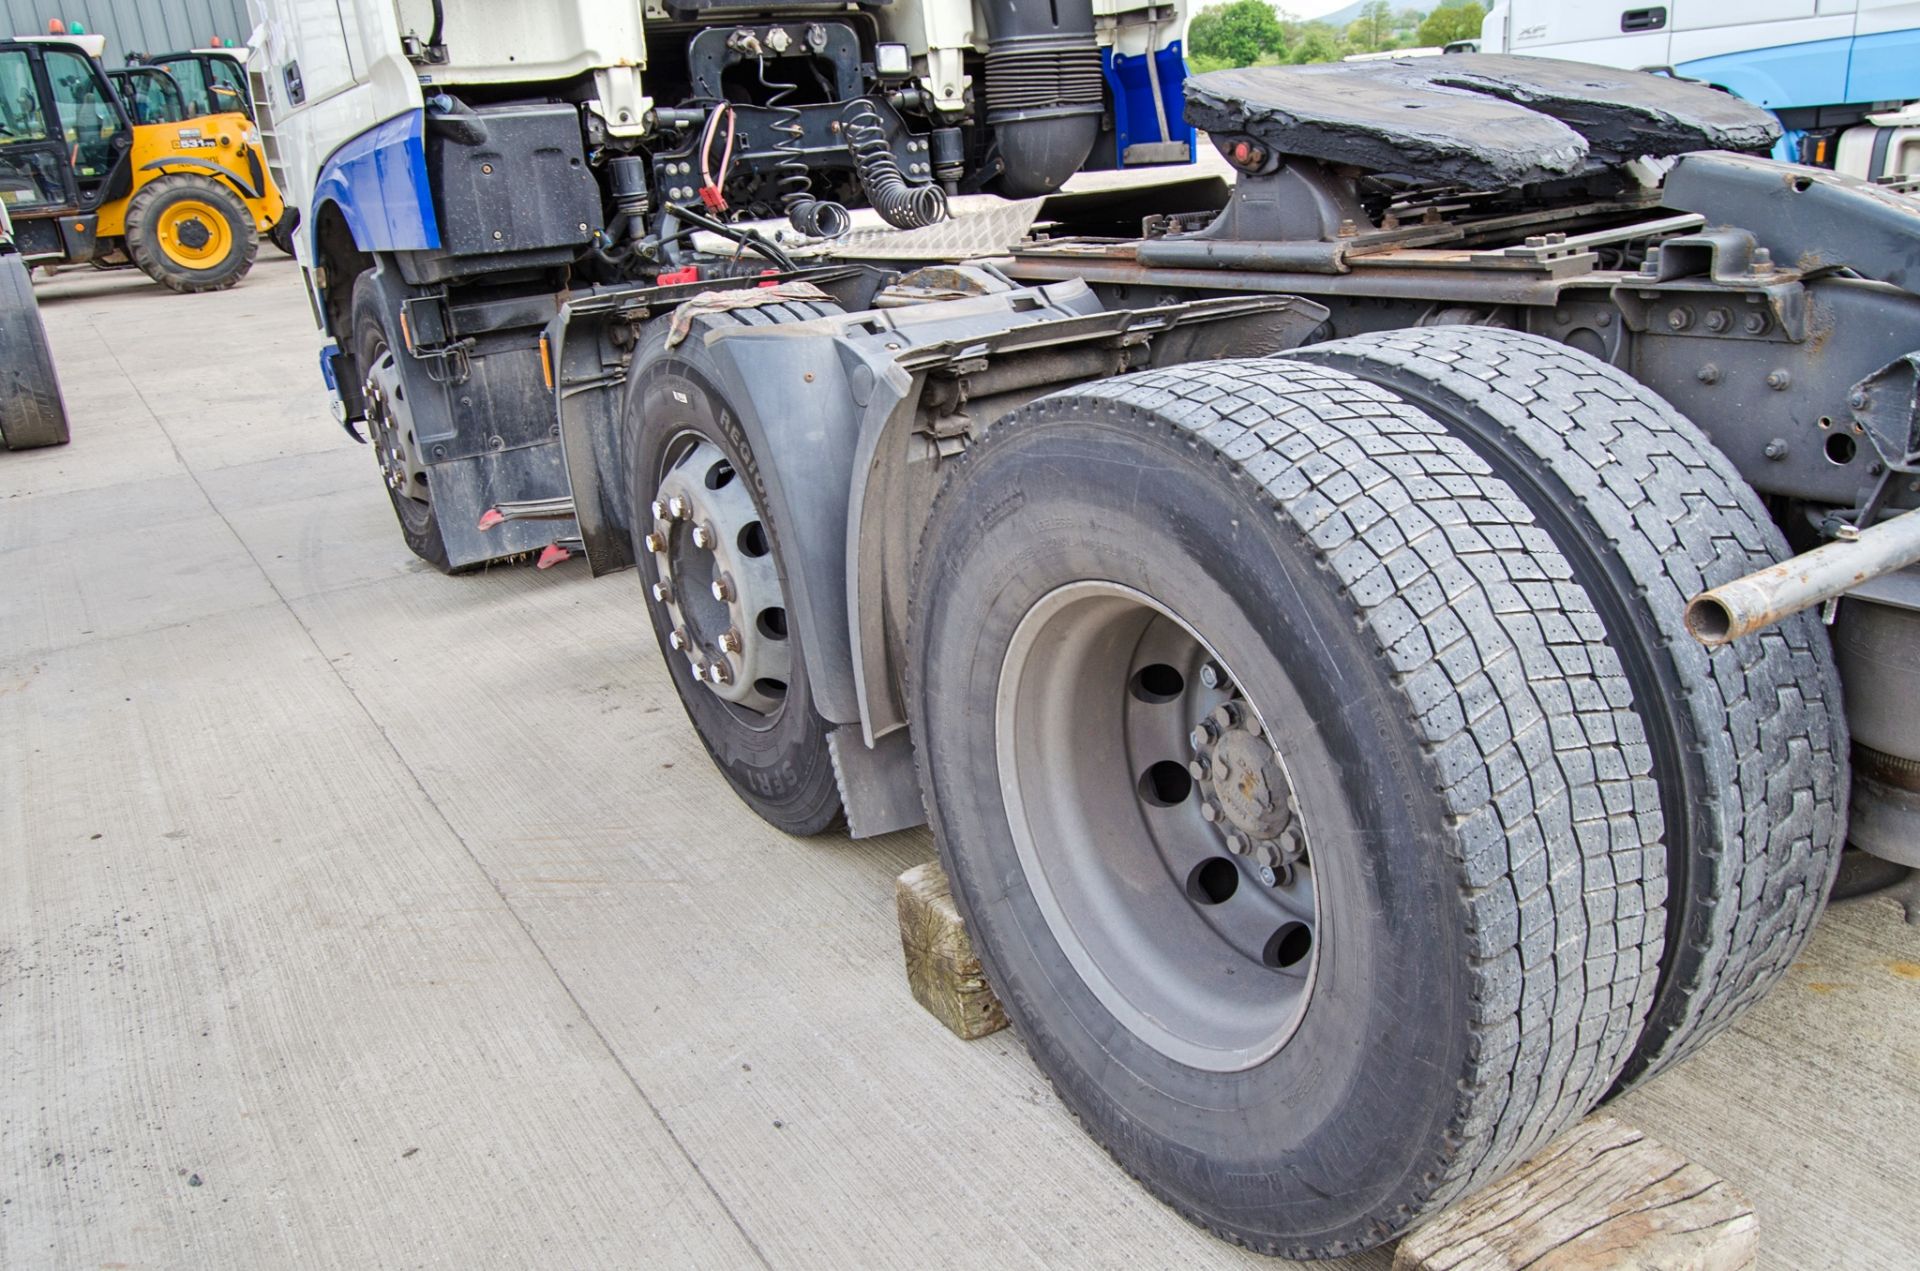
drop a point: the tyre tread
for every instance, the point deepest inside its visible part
(1764, 712)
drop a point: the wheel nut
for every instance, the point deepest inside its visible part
(703, 536)
(659, 510)
(677, 508)
(1209, 813)
(678, 640)
(1267, 875)
(663, 593)
(1196, 770)
(720, 672)
(1213, 675)
(723, 589)
(730, 640)
(1202, 735)
(1237, 843)
(656, 543)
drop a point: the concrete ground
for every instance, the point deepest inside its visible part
(351, 915)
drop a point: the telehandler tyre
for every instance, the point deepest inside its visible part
(1748, 741)
(390, 427)
(1292, 797)
(709, 557)
(191, 233)
(32, 413)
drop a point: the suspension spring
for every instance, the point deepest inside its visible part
(900, 204)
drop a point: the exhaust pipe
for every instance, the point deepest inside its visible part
(1759, 600)
(1045, 91)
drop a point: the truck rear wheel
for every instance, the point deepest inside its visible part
(32, 413)
(191, 233)
(390, 427)
(1748, 741)
(709, 557)
(1293, 800)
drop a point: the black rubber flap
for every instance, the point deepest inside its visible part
(1484, 120)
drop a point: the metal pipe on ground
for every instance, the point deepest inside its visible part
(1759, 600)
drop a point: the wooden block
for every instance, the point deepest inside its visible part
(945, 976)
(1603, 1195)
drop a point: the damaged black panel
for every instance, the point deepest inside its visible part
(1484, 120)
(1350, 113)
(1623, 115)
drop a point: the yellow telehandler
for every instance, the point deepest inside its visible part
(185, 199)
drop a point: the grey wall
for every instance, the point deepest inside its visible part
(137, 26)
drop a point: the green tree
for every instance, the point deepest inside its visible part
(1373, 29)
(1236, 34)
(1449, 23)
(1316, 44)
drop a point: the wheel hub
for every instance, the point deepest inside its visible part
(1244, 790)
(718, 583)
(390, 430)
(1156, 826)
(194, 234)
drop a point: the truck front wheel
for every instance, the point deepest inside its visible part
(1293, 800)
(390, 427)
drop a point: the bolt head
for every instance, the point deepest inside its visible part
(1202, 734)
(1708, 374)
(1679, 318)
(1778, 380)
(1777, 448)
(1212, 674)
(1857, 399)
(1210, 812)
(1267, 875)
(1197, 770)
(1237, 843)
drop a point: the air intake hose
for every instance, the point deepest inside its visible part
(1045, 91)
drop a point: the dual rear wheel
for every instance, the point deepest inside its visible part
(1334, 804)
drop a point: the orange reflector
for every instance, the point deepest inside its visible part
(546, 364)
(406, 334)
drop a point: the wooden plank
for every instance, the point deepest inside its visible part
(1604, 1195)
(942, 970)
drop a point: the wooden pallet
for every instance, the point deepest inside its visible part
(1603, 1195)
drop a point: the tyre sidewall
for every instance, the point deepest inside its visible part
(784, 771)
(1345, 1122)
(32, 412)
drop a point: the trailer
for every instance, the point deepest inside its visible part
(1346, 633)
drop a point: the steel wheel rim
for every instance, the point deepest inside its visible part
(194, 234)
(698, 539)
(1213, 971)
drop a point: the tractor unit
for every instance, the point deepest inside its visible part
(1391, 648)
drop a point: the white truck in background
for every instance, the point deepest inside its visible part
(1835, 72)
